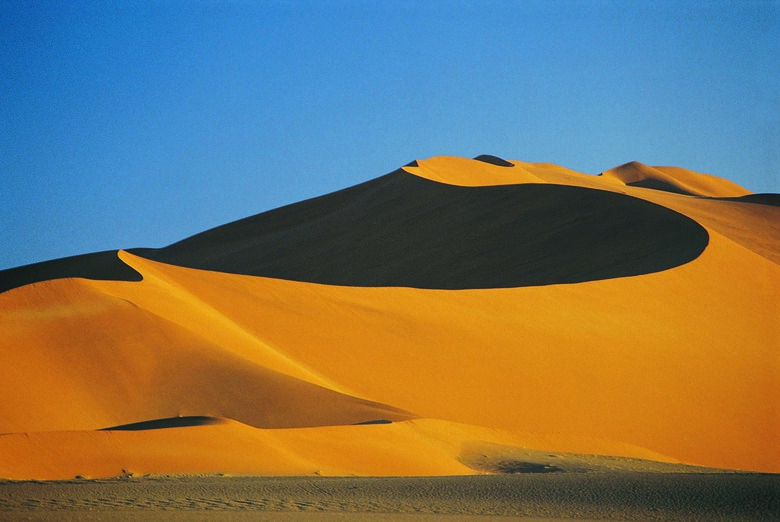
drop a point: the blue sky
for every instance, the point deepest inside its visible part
(126, 124)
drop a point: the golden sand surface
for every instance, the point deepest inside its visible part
(278, 377)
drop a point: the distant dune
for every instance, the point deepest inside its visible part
(673, 179)
(455, 316)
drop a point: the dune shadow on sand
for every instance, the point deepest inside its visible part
(658, 185)
(374, 421)
(518, 466)
(494, 160)
(402, 230)
(772, 200)
(99, 266)
(171, 422)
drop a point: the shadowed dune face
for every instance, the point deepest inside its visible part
(494, 160)
(170, 422)
(772, 200)
(752, 225)
(401, 230)
(98, 266)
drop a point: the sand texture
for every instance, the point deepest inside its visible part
(595, 496)
(611, 336)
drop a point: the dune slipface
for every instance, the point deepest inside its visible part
(100, 266)
(402, 230)
(454, 316)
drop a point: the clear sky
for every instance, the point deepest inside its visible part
(139, 123)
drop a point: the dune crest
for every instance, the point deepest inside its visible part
(443, 236)
(752, 221)
(673, 179)
(101, 360)
(473, 173)
(454, 170)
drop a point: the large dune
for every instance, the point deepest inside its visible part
(393, 327)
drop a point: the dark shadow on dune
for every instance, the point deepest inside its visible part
(517, 466)
(772, 200)
(375, 421)
(403, 230)
(659, 185)
(172, 422)
(494, 160)
(104, 266)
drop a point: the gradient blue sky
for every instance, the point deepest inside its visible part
(133, 123)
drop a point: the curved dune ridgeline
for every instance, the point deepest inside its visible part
(455, 316)
(673, 179)
(99, 266)
(402, 230)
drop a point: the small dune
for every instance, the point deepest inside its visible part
(673, 179)
(194, 444)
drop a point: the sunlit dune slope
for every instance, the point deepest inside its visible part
(461, 171)
(673, 179)
(94, 360)
(419, 447)
(525, 305)
(228, 446)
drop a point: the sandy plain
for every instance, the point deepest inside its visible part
(552, 496)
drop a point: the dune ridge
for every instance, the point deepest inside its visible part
(401, 230)
(753, 223)
(124, 364)
(234, 448)
(98, 266)
(673, 179)
(188, 369)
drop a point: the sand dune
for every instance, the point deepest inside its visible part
(753, 223)
(103, 361)
(401, 230)
(673, 179)
(393, 327)
(100, 265)
(409, 448)
(235, 448)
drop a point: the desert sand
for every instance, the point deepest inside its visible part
(454, 317)
(555, 496)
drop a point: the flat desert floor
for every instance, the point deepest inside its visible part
(582, 496)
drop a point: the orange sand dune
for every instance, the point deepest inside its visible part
(455, 170)
(755, 226)
(230, 447)
(411, 448)
(678, 364)
(673, 179)
(102, 361)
